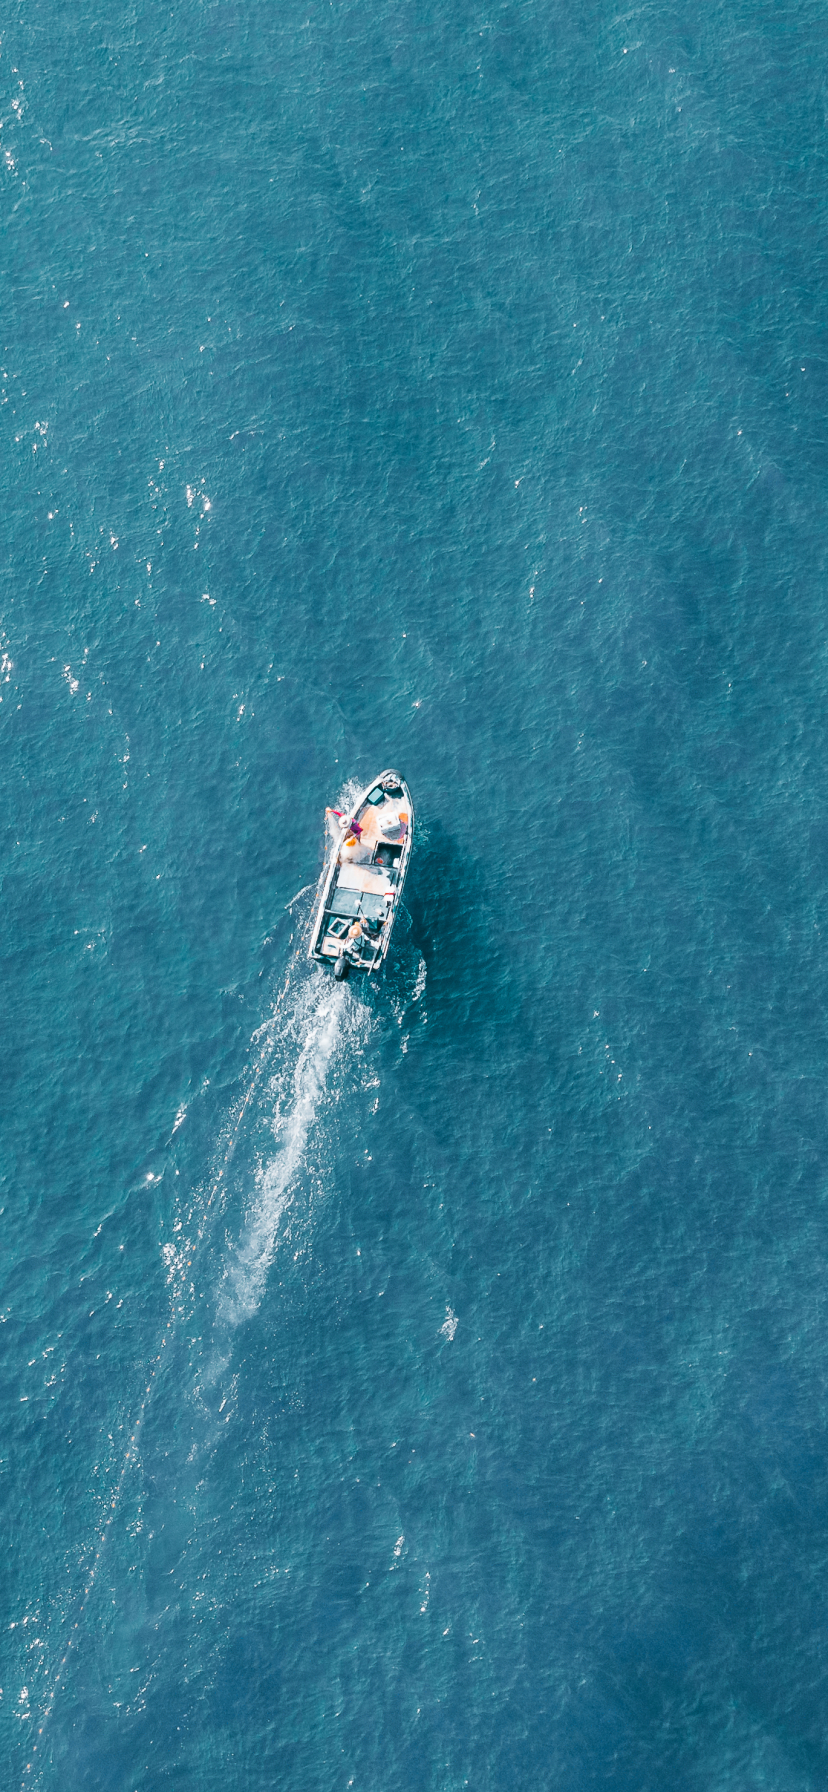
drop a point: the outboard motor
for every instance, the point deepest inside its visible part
(342, 967)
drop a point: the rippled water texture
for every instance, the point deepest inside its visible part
(421, 1387)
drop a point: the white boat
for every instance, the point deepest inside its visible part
(362, 883)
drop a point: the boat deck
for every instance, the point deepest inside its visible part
(365, 881)
(364, 877)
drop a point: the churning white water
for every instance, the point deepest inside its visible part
(296, 1087)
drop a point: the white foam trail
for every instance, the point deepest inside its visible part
(264, 1039)
(294, 899)
(317, 1028)
(308, 1038)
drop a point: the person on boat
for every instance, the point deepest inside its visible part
(352, 943)
(354, 850)
(337, 824)
(361, 933)
(350, 951)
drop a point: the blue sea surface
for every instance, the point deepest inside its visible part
(421, 1387)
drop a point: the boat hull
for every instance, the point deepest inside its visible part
(361, 886)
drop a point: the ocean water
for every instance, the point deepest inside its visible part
(423, 1387)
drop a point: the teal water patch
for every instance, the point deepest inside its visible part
(419, 1386)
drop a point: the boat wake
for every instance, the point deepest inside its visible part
(315, 1021)
(294, 1092)
(293, 1053)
